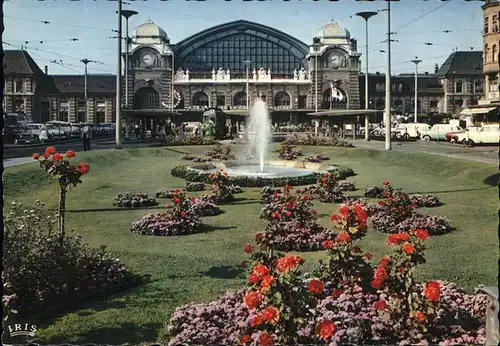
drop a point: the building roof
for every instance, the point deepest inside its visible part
(96, 83)
(333, 33)
(149, 33)
(427, 84)
(20, 63)
(462, 64)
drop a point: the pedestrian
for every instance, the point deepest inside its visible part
(86, 137)
(43, 136)
(137, 131)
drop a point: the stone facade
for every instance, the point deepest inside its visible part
(491, 45)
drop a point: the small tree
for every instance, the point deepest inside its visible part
(65, 172)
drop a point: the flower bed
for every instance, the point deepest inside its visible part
(317, 141)
(194, 186)
(202, 207)
(179, 220)
(183, 140)
(344, 300)
(346, 185)
(221, 191)
(434, 224)
(191, 175)
(387, 190)
(165, 194)
(329, 190)
(134, 200)
(45, 271)
(374, 192)
(425, 201)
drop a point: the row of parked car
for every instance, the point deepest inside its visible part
(28, 132)
(453, 133)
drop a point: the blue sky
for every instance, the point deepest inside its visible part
(92, 22)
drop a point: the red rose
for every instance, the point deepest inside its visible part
(177, 200)
(258, 237)
(325, 329)
(261, 270)
(344, 211)
(267, 281)
(253, 279)
(57, 157)
(336, 293)
(288, 213)
(343, 238)
(334, 217)
(266, 339)
(35, 156)
(246, 339)
(50, 150)
(386, 182)
(382, 203)
(316, 286)
(380, 305)
(253, 300)
(270, 314)
(256, 320)
(408, 248)
(421, 234)
(70, 154)
(248, 248)
(84, 168)
(328, 244)
(432, 291)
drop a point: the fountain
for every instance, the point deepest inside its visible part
(259, 133)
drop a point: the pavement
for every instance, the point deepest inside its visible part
(485, 154)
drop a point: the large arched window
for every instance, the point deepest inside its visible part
(282, 100)
(486, 53)
(240, 99)
(200, 99)
(147, 98)
(227, 46)
(494, 53)
(335, 100)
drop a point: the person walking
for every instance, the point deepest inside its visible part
(86, 137)
(43, 136)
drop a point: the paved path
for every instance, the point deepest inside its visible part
(486, 154)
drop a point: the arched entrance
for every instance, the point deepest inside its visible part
(332, 101)
(200, 99)
(146, 98)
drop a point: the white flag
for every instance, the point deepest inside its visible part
(332, 88)
(340, 97)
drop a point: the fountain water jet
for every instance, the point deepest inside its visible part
(259, 130)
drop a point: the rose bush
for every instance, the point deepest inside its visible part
(328, 189)
(194, 186)
(134, 200)
(66, 173)
(221, 188)
(387, 190)
(46, 273)
(179, 219)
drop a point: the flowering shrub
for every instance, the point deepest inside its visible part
(346, 185)
(134, 200)
(316, 158)
(221, 188)
(194, 186)
(178, 220)
(66, 174)
(220, 152)
(374, 192)
(434, 224)
(165, 194)
(329, 190)
(203, 207)
(268, 193)
(425, 201)
(288, 153)
(43, 271)
(235, 189)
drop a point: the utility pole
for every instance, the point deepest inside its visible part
(247, 64)
(416, 62)
(127, 14)
(316, 46)
(366, 16)
(118, 121)
(86, 61)
(388, 125)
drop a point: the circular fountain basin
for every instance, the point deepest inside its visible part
(269, 171)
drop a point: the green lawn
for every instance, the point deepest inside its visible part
(200, 267)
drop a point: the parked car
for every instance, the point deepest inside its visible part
(453, 135)
(438, 132)
(486, 134)
(19, 135)
(410, 130)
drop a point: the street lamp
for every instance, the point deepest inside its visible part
(316, 45)
(247, 64)
(118, 77)
(388, 124)
(127, 14)
(86, 61)
(366, 16)
(416, 62)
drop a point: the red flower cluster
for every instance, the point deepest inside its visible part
(253, 300)
(381, 273)
(354, 216)
(325, 329)
(287, 263)
(262, 274)
(432, 291)
(422, 234)
(316, 286)
(408, 248)
(343, 238)
(398, 238)
(266, 339)
(248, 248)
(50, 153)
(380, 305)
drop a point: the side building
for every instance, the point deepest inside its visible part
(491, 44)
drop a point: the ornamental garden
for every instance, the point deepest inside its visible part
(131, 246)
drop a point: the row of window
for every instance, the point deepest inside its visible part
(20, 85)
(63, 115)
(494, 23)
(490, 57)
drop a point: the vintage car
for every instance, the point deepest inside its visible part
(437, 132)
(486, 134)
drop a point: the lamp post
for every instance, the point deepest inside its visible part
(316, 45)
(416, 62)
(388, 124)
(86, 61)
(247, 64)
(366, 16)
(118, 77)
(127, 14)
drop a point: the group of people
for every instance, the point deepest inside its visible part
(85, 135)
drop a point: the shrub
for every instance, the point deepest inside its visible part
(346, 185)
(434, 224)
(194, 186)
(183, 140)
(202, 207)
(374, 192)
(165, 194)
(134, 200)
(343, 172)
(317, 141)
(66, 174)
(44, 273)
(220, 152)
(179, 220)
(316, 158)
(426, 201)
(288, 153)
(235, 189)
(221, 190)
